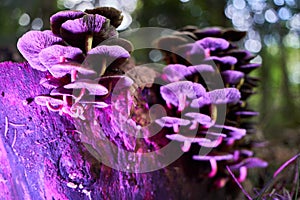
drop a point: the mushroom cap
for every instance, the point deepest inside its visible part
(175, 72)
(42, 100)
(62, 91)
(246, 113)
(118, 83)
(182, 138)
(51, 55)
(167, 43)
(126, 44)
(200, 118)
(241, 54)
(247, 68)
(233, 132)
(59, 18)
(202, 68)
(233, 35)
(110, 13)
(215, 157)
(225, 60)
(32, 43)
(213, 44)
(170, 121)
(232, 76)
(75, 31)
(172, 91)
(218, 96)
(194, 51)
(50, 83)
(64, 68)
(92, 86)
(250, 163)
(208, 32)
(97, 55)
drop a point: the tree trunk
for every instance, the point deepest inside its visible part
(42, 156)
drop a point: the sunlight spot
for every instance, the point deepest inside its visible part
(284, 13)
(24, 20)
(271, 16)
(253, 45)
(37, 24)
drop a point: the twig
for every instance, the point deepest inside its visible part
(298, 179)
(287, 163)
(238, 183)
(16, 125)
(6, 127)
(15, 138)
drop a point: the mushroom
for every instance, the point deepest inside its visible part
(202, 119)
(87, 31)
(222, 61)
(233, 133)
(50, 83)
(52, 104)
(233, 35)
(192, 52)
(232, 77)
(187, 141)
(208, 32)
(213, 161)
(75, 111)
(92, 86)
(241, 54)
(213, 44)
(101, 57)
(93, 102)
(246, 164)
(32, 43)
(58, 54)
(127, 45)
(246, 113)
(247, 68)
(218, 96)
(175, 72)
(172, 122)
(59, 18)
(177, 92)
(62, 69)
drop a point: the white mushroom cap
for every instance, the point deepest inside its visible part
(64, 68)
(93, 87)
(42, 100)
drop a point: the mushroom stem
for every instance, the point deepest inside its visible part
(88, 42)
(207, 53)
(243, 174)
(186, 146)
(62, 59)
(214, 168)
(214, 113)
(194, 125)
(176, 128)
(182, 101)
(73, 75)
(103, 67)
(81, 94)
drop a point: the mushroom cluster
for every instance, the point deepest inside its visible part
(79, 51)
(195, 58)
(88, 68)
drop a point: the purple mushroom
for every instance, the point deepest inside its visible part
(226, 60)
(187, 141)
(232, 77)
(52, 104)
(198, 118)
(218, 96)
(175, 72)
(247, 68)
(101, 57)
(176, 93)
(213, 161)
(213, 44)
(246, 164)
(32, 43)
(172, 122)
